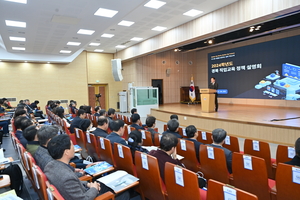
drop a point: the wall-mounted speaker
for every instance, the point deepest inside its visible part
(116, 67)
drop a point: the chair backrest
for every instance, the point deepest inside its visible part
(80, 138)
(123, 158)
(54, 193)
(148, 172)
(254, 181)
(29, 162)
(217, 189)
(204, 137)
(232, 143)
(105, 150)
(147, 138)
(131, 129)
(157, 138)
(92, 146)
(287, 182)
(126, 132)
(284, 153)
(213, 163)
(40, 180)
(181, 131)
(95, 121)
(165, 127)
(261, 150)
(186, 149)
(129, 122)
(181, 183)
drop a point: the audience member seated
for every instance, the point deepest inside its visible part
(21, 123)
(20, 112)
(118, 131)
(97, 111)
(76, 121)
(21, 102)
(49, 104)
(111, 114)
(6, 103)
(296, 159)
(85, 125)
(218, 137)
(136, 120)
(103, 112)
(192, 134)
(2, 109)
(102, 127)
(135, 142)
(57, 103)
(173, 125)
(36, 113)
(61, 113)
(88, 109)
(166, 152)
(133, 111)
(150, 123)
(73, 107)
(34, 104)
(174, 117)
(3, 124)
(30, 134)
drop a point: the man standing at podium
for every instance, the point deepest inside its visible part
(214, 85)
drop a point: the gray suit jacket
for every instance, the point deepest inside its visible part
(42, 157)
(65, 180)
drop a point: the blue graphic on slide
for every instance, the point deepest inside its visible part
(287, 87)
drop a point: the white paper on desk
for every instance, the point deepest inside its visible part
(120, 151)
(203, 135)
(229, 193)
(102, 143)
(291, 152)
(77, 134)
(296, 175)
(183, 145)
(210, 152)
(178, 176)
(179, 157)
(183, 132)
(144, 161)
(247, 162)
(11, 197)
(88, 138)
(227, 140)
(150, 148)
(255, 145)
(143, 134)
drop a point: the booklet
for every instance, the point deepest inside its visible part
(77, 148)
(118, 180)
(95, 169)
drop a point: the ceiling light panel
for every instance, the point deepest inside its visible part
(85, 32)
(155, 4)
(125, 23)
(106, 35)
(18, 48)
(94, 44)
(18, 1)
(65, 51)
(136, 39)
(106, 12)
(74, 43)
(120, 46)
(15, 23)
(21, 39)
(98, 50)
(159, 28)
(193, 13)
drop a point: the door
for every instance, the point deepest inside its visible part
(94, 92)
(159, 84)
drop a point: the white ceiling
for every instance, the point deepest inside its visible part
(53, 23)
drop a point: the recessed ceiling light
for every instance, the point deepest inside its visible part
(85, 32)
(155, 4)
(22, 39)
(18, 1)
(73, 43)
(15, 23)
(25, 61)
(159, 28)
(106, 12)
(136, 39)
(98, 50)
(65, 51)
(94, 44)
(192, 13)
(18, 48)
(107, 35)
(125, 23)
(120, 46)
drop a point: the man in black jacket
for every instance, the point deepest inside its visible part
(102, 127)
(214, 85)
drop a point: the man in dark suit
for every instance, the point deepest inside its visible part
(218, 137)
(192, 134)
(136, 120)
(21, 123)
(296, 159)
(81, 114)
(150, 122)
(214, 85)
(101, 128)
(111, 115)
(118, 131)
(173, 125)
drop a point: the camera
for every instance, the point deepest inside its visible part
(98, 95)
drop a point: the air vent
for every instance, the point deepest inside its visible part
(12, 99)
(64, 101)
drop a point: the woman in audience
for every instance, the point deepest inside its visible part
(85, 125)
(49, 104)
(135, 142)
(97, 111)
(61, 113)
(88, 109)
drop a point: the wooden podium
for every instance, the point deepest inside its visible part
(208, 100)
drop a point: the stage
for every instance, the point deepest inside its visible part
(252, 122)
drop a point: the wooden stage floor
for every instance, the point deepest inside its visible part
(239, 120)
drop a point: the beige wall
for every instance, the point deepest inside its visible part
(99, 69)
